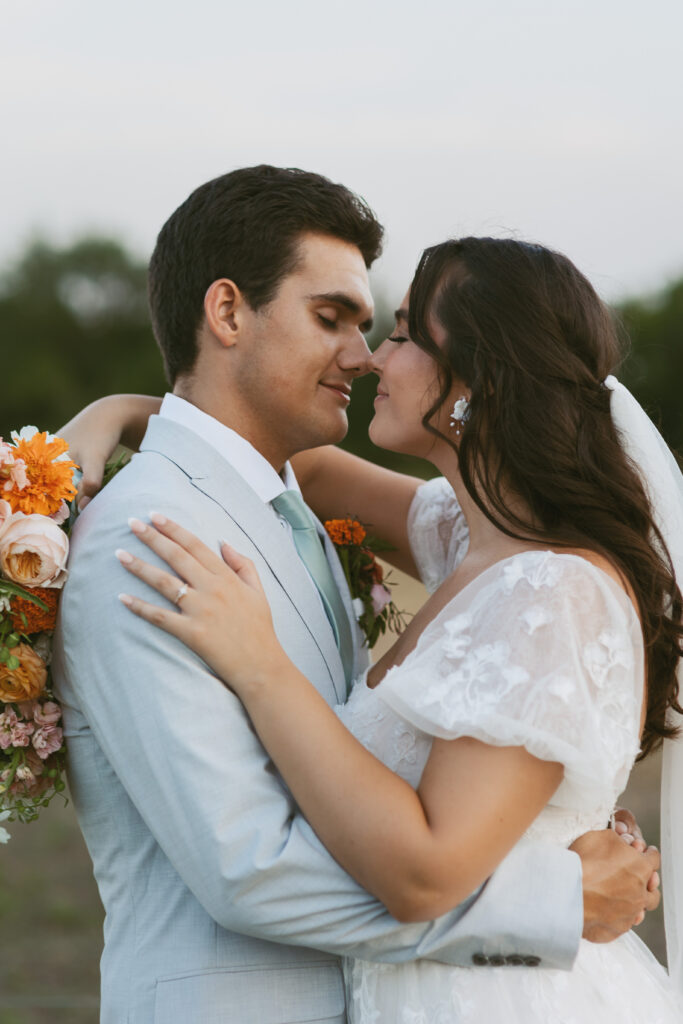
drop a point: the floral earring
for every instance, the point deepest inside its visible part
(461, 413)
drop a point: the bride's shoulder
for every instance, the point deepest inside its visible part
(575, 591)
(577, 570)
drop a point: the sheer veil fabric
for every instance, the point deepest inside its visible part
(664, 481)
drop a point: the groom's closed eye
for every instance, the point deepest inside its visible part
(341, 303)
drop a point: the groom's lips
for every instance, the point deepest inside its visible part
(339, 387)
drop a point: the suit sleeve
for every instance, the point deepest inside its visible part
(190, 762)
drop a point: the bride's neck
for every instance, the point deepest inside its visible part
(486, 538)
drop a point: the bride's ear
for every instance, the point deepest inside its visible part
(223, 308)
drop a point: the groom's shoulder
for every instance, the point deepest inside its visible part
(149, 481)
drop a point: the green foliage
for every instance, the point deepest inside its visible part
(74, 326)
(654, 367)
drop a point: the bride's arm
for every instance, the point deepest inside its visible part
(336, 483)
(421, 853)
(94, 433)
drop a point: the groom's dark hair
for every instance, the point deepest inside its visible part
(244, 226)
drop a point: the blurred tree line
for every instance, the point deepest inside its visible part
(74, 326)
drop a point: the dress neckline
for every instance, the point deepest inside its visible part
(531, 552)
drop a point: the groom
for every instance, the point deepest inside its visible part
(222, 906)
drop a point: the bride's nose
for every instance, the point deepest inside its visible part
(378, 357)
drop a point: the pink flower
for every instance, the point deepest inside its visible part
(26, 708)
(8, 721)
(33, 552)
(47, 713)
(61, 515)
(12, 469)
(29, 779)
(21, 734)
(380, 596)
(47, 740)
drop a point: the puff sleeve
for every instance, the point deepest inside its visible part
(542, 651)
(437, 531)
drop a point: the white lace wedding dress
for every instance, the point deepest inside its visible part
(545, 651)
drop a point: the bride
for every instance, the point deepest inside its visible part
(516, 701)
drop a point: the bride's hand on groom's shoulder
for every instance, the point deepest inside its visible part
(221, 611)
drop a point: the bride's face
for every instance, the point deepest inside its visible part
(408, 387)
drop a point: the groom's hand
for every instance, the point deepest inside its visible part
(615, 884)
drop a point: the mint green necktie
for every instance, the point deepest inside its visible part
(290, 505)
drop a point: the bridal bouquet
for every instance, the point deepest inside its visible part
(372, 603)
(36, 486)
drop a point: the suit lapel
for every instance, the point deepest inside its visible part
(214, 476)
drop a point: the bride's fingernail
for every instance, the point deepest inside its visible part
(136, 525)
(123, 556)
(157, 518)
(126, 599)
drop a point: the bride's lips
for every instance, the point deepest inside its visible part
(340, 388)
(380, 395)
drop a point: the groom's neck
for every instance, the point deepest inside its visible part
(230, 412)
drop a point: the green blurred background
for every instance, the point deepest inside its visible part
(74, 326)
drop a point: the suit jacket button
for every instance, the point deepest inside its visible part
(496, 960)
(480, 959)
(532, 961)
(514, 959)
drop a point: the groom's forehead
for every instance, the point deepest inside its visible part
(330, 269)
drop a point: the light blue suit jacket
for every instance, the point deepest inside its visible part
(221, 905)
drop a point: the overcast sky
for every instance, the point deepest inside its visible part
(558, 121)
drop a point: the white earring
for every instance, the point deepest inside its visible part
(461, 413)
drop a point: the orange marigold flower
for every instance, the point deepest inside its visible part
(49, 481)
(37, 619)
(345, 531)
(25, 682)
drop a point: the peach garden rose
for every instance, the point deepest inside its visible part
(26, 681)
(33, 551)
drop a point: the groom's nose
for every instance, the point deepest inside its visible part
(355, 356)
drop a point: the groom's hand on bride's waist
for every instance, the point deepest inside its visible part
(619, 883)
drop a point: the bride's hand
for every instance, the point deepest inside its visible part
(222, 611)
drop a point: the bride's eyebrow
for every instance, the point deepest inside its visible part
(401, 315)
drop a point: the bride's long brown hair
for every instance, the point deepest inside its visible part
(529, 336)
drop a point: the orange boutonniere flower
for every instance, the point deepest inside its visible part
(369, 588)
(346, 531)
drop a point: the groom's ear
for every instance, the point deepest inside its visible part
(223, 305)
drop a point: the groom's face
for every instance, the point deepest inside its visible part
(308, 345)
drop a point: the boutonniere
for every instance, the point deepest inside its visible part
(369, 587)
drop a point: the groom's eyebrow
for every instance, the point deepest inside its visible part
(344, 300)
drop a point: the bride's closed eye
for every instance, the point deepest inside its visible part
(398, 338)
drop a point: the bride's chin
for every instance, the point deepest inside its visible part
(383, 437)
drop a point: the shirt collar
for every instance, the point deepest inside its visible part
(234, 448)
